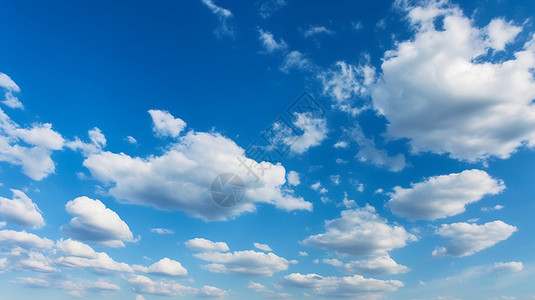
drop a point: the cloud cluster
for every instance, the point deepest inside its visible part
(360, 231)
(10, 87)
(443, 89)
(181, 177)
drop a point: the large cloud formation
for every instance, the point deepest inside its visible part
(180, 178)
(447, 92)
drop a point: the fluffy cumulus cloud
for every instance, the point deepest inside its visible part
(94, 222)
(443, 196)
(360, 231)
(97, 142)
(293, 178)
(77, 255)
(298, 61)
(246, 262)
(181, 177)
(315, 30)
(145, 285)
(467, 239)
(21, 210)
(200, 244)
(164, 266)
(443, 90)
(262, 247)
(11, 238)
(30, 148)
(269, 42)
(164, 124)
(375, 266)
(314, 131)
(350, 287)
(10, 87)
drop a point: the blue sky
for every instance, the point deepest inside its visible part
(385, 149)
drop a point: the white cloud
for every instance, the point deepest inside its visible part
(341, 145)
(164, 266)
(262, 247)
(314, 30)
(200, 244)
(333, 262)
(180, 178)
(30, 147)
(335, 179)
(212, 291)
(100, 263)
(244, 262)
(346, 85)
(23, 239)
(10, 87)
(223, 15)
(296, 60)
(93, 221)
(360, 231)
(376, 266)
(260, 288)
(21, 210)
(495, 207)
(293, 178)
(439, 90)
(269, 42)
(145, 285)
(162, 231)
(318, 188)
(270, 6)
(514, 266)
(308, 131)
(164, 124)
(2, 224)
(368, 152)
(131, 140)
(303, 253)
(500, 33)
(139, 297)
(71, 247)
(353, 287)
(97, 142)
(35, 261)
(443, 196)
(467, 239)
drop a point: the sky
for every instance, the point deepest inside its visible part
(195, 149)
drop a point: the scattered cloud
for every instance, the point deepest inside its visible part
(23, 239)
(360, 231)
(145, 285)
(315, 30)
(333, 262)
(293, 178)
(514, 266)
(200, 244)
(318, 188)
(164, 266)
(271, 6)
(269, 43)
(165, 125)
(30, 148)
(94, 222)
(10, 87)
(354, 287)
(262, 247)
(379, 265)
(296, 60)
(223, 15)
(21, 210)
(443, 196)
(368, 152)
(162, 231)
(468, 239)
(246, 262)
